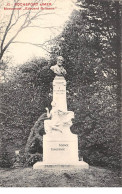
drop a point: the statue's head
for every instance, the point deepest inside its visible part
(53, 104)
(60, 60)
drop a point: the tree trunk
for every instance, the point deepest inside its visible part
(1, 55)
(118, 54)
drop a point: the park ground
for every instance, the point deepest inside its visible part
(27, 177)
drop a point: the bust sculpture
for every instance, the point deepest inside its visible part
(58, 69)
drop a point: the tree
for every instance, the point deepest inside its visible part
(12, 25)
(92, 65)
(23, 100)
(92, 61)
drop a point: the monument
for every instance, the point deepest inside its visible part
(60, 146)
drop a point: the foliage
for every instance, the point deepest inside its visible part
(5, 161)
(34, 148)
(24, 98)
(92, 59)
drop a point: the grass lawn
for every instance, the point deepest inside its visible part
(27, 177)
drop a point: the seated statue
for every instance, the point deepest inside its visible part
(58, 69)
(54, 122)
(60, 121)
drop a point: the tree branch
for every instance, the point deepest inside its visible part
(27, 21)
(6, 30)
(34, 44)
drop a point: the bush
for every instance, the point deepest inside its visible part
(34, 149)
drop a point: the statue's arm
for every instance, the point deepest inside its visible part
(65, 72)
(48, 113)
(52, 68)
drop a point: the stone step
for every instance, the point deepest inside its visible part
(77, 165)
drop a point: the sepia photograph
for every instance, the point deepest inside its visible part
(60, 93)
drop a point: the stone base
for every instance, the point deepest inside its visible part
(61, 149)
(76, 166)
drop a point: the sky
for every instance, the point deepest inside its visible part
(23, 52)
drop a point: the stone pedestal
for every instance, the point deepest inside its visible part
(60, 146)
(60, 149)
(59, 92)
(60, 153)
